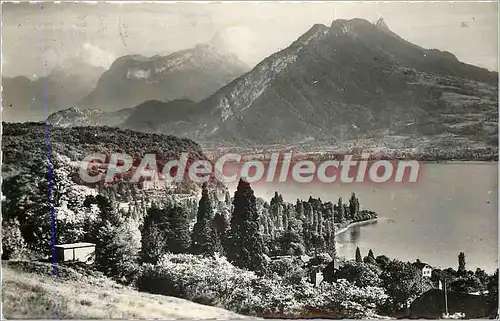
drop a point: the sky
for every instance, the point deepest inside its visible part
(37, 39)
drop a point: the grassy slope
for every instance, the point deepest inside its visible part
(29, 292)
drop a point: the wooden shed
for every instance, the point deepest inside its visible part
(76, 252)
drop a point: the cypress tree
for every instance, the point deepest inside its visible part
(308, 226)
(321, 232)
(353, 206)
(341, 211)
(347, 214)
(247, 243)
(203, 237)
(291, 242)
(358, 255)
(154, 237)
(278, 213)
(314, 219)
(299, 210)
(330, 237)
(179, 238)
(107, 209)
(461, 263)
(265, 225)
(308, 212)
(320, 224)
(286, 217)
(370, 258)
(221, 226)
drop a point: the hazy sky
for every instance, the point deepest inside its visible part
(99, 33)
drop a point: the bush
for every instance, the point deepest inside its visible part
(13, 244)
(361, 274)
(290, 270)
(403, 283)
(210, 281)
(342, 299)
(214, 281)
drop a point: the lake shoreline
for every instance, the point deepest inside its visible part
(445, 162)
(350, 225)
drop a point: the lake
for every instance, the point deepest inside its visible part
(452, 208)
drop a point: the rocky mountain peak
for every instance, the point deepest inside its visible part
(382, 25)
(192, 73)
(344, 26)
(316, 32)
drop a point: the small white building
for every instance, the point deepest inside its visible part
(76, 252)
(427, 271)
(424, 268)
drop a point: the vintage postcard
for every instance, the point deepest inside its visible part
(250, 160)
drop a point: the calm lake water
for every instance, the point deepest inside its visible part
(452, 208)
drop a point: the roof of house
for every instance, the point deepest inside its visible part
(75, 245)
(420, 265)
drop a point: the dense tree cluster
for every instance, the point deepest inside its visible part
(306, 227)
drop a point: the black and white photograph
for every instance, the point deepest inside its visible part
(249, 160)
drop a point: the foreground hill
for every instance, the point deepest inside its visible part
(194, 74)
(30, 292)
(351, 80)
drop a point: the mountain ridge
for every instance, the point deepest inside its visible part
(352, 80)
(339, 29)
(192, 73)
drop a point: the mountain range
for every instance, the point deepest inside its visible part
(96, 93)
(23, 98)
(352, 80)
